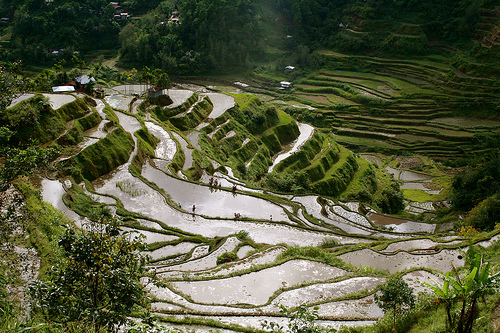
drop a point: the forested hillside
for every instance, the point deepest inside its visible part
(223, 35)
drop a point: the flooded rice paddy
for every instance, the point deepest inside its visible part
(250, 290)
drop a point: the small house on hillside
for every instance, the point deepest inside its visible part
(289, 68)
(82, 81)
(285, 85)
(121, 16)
(118, 9)
(154, 92)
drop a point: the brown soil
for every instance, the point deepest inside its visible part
(408, 162)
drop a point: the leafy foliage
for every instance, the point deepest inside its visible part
(9, 84)
(485, 215)
(23, 162)
(211, 34)
(392, 200)
(300, 320)
(226, 257)
(466, 288)
(396, 296)
(99, 279)
(478, 182)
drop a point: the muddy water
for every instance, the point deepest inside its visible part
(170, 250)
(372, 159)
(409, 176)
(415, 279)
(402, 260)
(188, 152)
(400, 225)
(202, 263)
(152, 204)
(306, 132)
(98, 131)
(256, 287)
(221, 102)
(244, 251)
(262, 258)
(19, 99)
(255, 322)
(415, 244)
(357, 308)
(167, 147)
(120, 102)
(393, 172)
(312, 206)
(216, 204)
(52, 192)
(323, 291)
(130, 89)
(58, 100)
(193, 137)
(178, 96)
(151, 237)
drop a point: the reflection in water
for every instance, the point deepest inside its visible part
(400, 225)
(306, 132)
(213, 203)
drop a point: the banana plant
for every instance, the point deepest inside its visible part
(467, 289)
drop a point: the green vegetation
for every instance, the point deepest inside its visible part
(395, 296)
(467, 289)
(98, 277)
(413, 83)
(101, 157)
(226, 257)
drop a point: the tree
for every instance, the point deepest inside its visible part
(473, 284)
(163, 81)
(396, 296)
(301, 320)
(98, 279)
(10, 85)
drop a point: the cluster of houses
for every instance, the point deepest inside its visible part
(119, 13)
(173, 19)
(78, 85)
(286, 84)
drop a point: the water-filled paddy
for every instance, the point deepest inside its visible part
(58, 100)
(202, 286)
(257, 287)
(306, 131)
(441, 261)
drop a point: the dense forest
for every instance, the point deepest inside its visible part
(225, 35)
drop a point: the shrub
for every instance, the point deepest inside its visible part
(98, 280)
(226, 257)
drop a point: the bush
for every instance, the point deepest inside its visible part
(226, 257)
(98, 280)
(485, 215)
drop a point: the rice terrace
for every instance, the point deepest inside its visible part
(245, 192)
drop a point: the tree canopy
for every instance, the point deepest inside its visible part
(98, 281)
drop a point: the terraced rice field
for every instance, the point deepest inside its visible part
(392, 106)
(188, 225)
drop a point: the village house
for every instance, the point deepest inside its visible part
(82, 81)
(174, 18)
(154, 92)
(285, 85)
